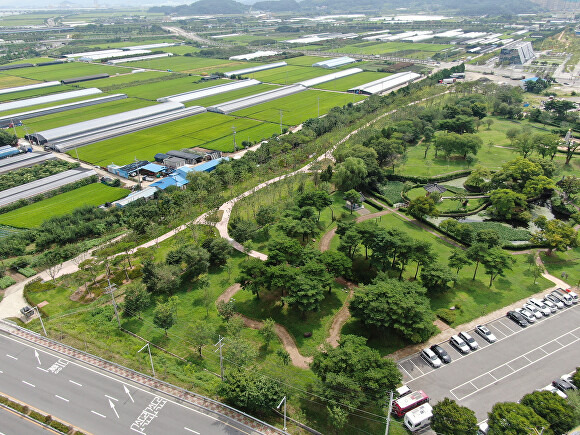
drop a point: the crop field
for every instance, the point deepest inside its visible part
(298, 107)
(290, 74)
(24, 19)
(7, 231)
(131, 43)
(346, 83)
(7, 81)
(190, 64)
(419, 50)
(65, 71)
(31, 60)
(152, 91)
(82, 114)
(33, 215)
(124, 78)
(306, 61)
(35, 92)
(232, 95)
(197, 130)
(179, 49)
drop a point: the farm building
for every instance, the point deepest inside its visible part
(146, 193)
(5, 120)
(150, 46)
(52, 62)
(135, 59)
(92, 53)
(101, 56)
(518, 53)
(44, 185)
(8, 151)
(171, 180)
(24, 161)
(309, 39)
(173, 162)
(153, 170)
(45, 99)
(15, 66)
(254, 55)
(252, 100)
(28, 87)
(212, 90)
(159, 157)
(328, 77)
(84, 78)
(335, 63)
(385, 84)
(209, 165)
(127, 171)
(189, 157)
(255, 69)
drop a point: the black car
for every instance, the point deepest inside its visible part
(27, 311)
(518, 318)
(563, 385)
(441, 353)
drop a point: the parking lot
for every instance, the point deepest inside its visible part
(522, 360)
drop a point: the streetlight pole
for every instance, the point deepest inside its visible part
(278, 407)
(41, 322)
(150, 357)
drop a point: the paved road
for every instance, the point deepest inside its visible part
(522, 360)
(14, 424)
(93, 400)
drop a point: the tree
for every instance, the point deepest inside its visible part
(546, 144)
(508, 418)
(507, 204)
(7, 138)
(553, 408)
(226, 310)
(252, 276)
(196, 259)
(477, 253)
(354, 373)
(164, 315)
(523, 144)
(399, 305)
(201, 333)
(496, 262)
(350, 174)
(490, 238)
(353, 197)
(240, 352)
(161, 278)
(336, 262)
(137, 299)
(576, 377)
(219, 250)
(422, 206)
(435, 277)
(268, 331)
(422, 253)
(555, 234)
(250, 391)
(319, 199)
(570, 148)
(304, 294)
(284, 356)
(338, 417)
(266, 215)
(458, 260)
(570, 185)
(449, 418)
(538, 186)
(488, 122)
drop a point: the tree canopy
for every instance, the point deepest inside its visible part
(449, 418)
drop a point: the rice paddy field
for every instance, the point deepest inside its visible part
(346, 83)
(232, 95)
(190, 64)
(33, 215)
(210, 130)
(152, 91)
(290, 74)
(419, 50)
(126, 77)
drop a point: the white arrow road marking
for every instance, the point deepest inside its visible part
(128, 393)
(37, 357)
(112, 405)
(112, 398)
(191, 430)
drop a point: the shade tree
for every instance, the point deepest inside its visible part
(449, 418)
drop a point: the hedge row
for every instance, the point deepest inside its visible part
(6, 281)
(425, 180)
(374, 204)
(381, 197)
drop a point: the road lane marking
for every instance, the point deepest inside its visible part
(112, 398)
(10, 356)
(76, 383)
(61, 398)
(100, 415)
(44, 370)
(28, 383)
(191, 430)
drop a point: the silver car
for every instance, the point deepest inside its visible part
(540, 306)
(550, 305)
(533, 309)
(485, 333)
(469, 340)
(556, 301)
(429, 356)
(563, 296)
(459, 344)
(528, 315)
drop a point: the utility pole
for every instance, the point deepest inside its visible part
(280, 121)
(389, 413)
(41, 322)
(318, 106)
(220, 343)
(278, 407)
(235, 145)
(110, 290)
(150, 357)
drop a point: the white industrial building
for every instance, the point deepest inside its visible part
(28, 87)
(385, 84)
(335, 63)
(255, 69)
(253, 100)
(328, 77)
(309, 39)
(93, 53)
(45, 99)
(208, 92)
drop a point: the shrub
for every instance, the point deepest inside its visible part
(6, 282)
(447, 315)
(135, 273)
(27, 272)
(374, 204)
(60, 426)
(37, 286)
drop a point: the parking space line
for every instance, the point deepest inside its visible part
(505, 326)
(417, 367)
(492, 376)
(508, 366)
(539, 348)
(578, 338)
(411, 376)
(497, 332)
(560, 344)
(527, 358)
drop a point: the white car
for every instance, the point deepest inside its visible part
(556, 301)
(573, 295)
(533, 309)
(563, 296)
(469, 340)
(429, 356)
(485, 333)
(542, 307)
(528, 315)
(459, 344)
(550, 305)
(554, 390)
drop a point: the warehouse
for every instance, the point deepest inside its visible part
(518, 53)
(45, 99)
(209, 166)
(145, 194)
(253, 100)
(328, 77)
(254, 55)
(24, 161)
(207, 92)
(6, 120)
(255, 69)
(173, 162)
(151, 46)
(135, 59)
(44, 185)
(172, 180)
(335, 63)
(28, 87)
(8, 151)
(126, 171)
(189, 157)
(52, 62)
(84, 78)
(160, 157)
(385, 84)
(153, 170)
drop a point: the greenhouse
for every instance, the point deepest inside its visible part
(207, 92)
(328, 77)
(254, 69)
(253, 100)
(385, 84)
(24, 161)
(135, 59)
(28, 87)
(45, 99)
(335, 63)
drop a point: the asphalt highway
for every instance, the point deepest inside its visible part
(14, 424)
(94, 400)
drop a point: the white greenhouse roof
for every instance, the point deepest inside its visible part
(386, 83)
(255, 69)
(23, 161)
(334, 63)
(254, 55)
(308, 39)
(28, 87)
(145, 193)
(328, 77)
(45, 99)
(213, 90)
(91, 53)
(134, 59)
(253, 100)
(99, 56)
(150, 46)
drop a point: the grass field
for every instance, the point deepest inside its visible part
(419, 50)
(124, 78)
(298, 107)
(66, 71)
(346, 83)
(189, 64)
(152, 91)
(564, 263)
(290, 74)
(232, 95)
(189, 132)
(7, 81)
(21, 95)
(33, 215)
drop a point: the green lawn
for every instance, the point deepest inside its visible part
(33, 215)
(66, 71)
(124, 78)
(419, 50)
(8, 81)
(345, 83)
(560, 263)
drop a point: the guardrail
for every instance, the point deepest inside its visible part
(207, 405)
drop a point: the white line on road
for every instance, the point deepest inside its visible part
(61, 398)
(10, 356)
(28, 383)
(112, 398)
(505, 326)
(190, 430)
(417, 367)
(76, 383)
(100, 415)
(406, 371)
(44, 370)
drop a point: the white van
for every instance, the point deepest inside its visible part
(419, 418)
(482, 429)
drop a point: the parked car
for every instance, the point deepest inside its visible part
(528, 315)
(469, 340)
(550, 305)
(482, 429)
(441, 353)
(554, 390)
(485, 333)
(459, 344)
(556, 301)
(568, 378)
(540, 306)
(517, 317)
(563, 385)
(431, 359)
(573, 295)
(563, 296)
(533, 309)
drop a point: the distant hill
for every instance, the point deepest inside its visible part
(277, 6)
(204, 7)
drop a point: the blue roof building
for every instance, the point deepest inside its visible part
(152, 169)
(172, 180)
(209, 165)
